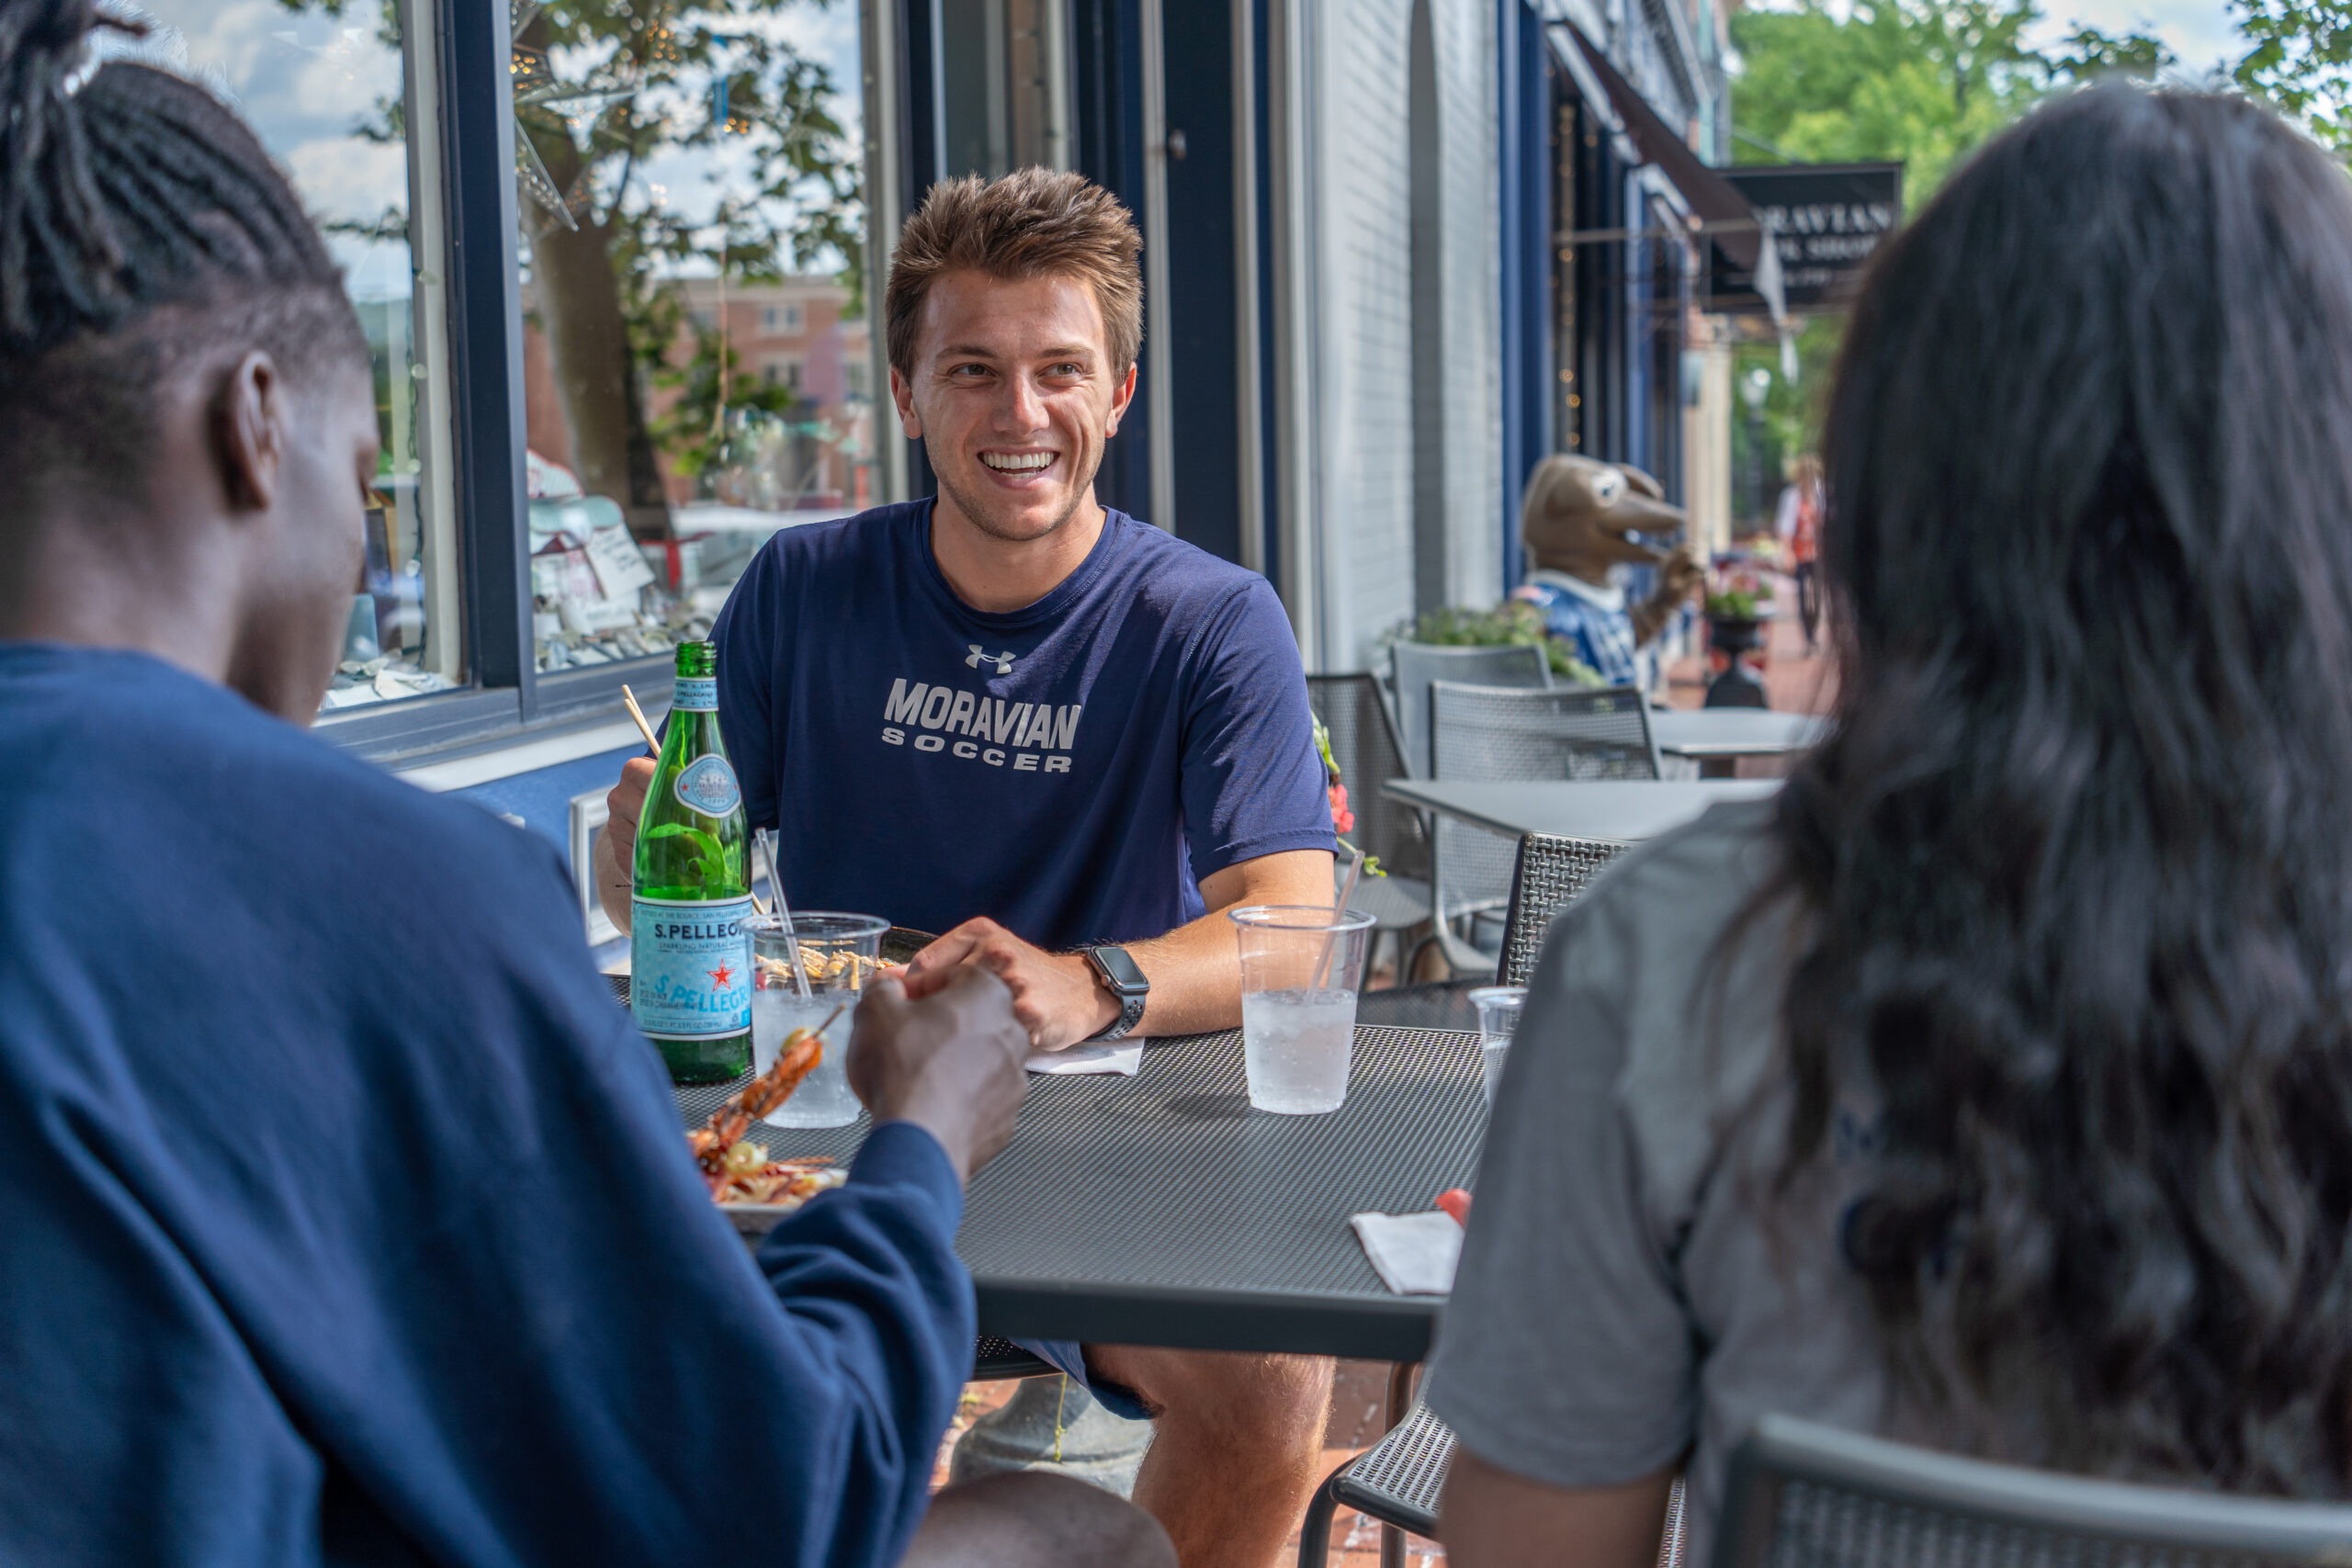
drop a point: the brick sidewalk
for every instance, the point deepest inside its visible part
(1359, 1395)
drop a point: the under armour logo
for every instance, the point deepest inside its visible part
(977, 657)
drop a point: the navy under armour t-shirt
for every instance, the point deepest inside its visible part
(1071, 770)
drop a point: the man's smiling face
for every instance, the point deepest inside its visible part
(1013, 396)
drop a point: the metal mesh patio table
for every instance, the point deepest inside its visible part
(1161, 1210)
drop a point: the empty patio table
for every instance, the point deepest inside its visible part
(1708, 733)
(1161, 1210)
(1624, 809)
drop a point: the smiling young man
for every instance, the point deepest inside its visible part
(1063, 737)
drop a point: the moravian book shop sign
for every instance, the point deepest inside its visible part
(1824, 218)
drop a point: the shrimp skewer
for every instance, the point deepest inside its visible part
(712, 1144)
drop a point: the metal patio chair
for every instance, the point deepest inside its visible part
(1398, 1480)
(1551, 874)
(1481, 732)
(1803, 1496)
(1412, 666)
(1364, 745)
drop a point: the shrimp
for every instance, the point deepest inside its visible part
(801, 1052)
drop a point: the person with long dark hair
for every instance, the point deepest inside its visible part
(1992, 1088)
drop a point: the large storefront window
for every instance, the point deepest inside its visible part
(696, 338)
(323, 88)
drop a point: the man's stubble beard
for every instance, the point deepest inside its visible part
(980, 520)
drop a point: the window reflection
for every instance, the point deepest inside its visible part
(321, 86)
(693, 225)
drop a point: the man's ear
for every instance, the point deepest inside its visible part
(1121, 396)
(902, 393)
(249, 437)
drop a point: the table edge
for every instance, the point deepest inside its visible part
(1391, 1328)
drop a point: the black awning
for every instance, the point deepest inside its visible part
(1730, 219)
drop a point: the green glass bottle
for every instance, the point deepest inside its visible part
(690, 949)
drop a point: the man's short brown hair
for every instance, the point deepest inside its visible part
(1031, 223)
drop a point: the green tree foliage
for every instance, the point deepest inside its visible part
(2300, 61)
(1919, 82)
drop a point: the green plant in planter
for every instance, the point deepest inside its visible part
(1511, 623)
(1738, 603)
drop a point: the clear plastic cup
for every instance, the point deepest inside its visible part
(1498, 1009)
(839, 953)
(1300, 967)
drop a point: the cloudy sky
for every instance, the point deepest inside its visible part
(2199, 32)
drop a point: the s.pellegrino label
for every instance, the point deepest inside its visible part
(690, 947)
(690, 968)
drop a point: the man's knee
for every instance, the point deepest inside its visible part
(1033, 1519)
(1261, 1396)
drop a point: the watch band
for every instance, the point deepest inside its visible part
(1131, 1003)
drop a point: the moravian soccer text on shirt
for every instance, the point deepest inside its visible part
(1028, 737)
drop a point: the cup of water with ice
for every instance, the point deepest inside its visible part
(1300, 967)
(1498, 1007)
(838, 956)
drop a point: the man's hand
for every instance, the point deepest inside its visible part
(950, 1061)
(614, 860)
(1055, 996)
(625, 804)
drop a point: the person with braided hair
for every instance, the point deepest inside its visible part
(322, 1250)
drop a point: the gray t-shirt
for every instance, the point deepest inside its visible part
(1629, 1291)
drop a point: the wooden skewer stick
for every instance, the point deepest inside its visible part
(637, 712)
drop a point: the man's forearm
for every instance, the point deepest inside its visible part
(1195, 974)
(1195, 970)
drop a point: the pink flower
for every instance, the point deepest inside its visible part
(1342, 819)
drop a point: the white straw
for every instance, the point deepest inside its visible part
(783, 913)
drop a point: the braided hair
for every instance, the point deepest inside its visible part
(142, 226)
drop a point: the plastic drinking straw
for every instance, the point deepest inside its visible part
(1339, 912)
(783, 913)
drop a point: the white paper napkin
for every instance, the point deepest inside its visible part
(1120, 1056)
(1414, 1254)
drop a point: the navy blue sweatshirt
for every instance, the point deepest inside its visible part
(343, 1217)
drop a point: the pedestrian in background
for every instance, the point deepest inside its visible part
(1798, 524)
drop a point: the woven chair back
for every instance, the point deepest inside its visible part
(1412, 666)
(1364, 744)
(1552, 873)
(1802, 1495)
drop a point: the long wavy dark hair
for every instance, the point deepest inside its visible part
(2075, 870)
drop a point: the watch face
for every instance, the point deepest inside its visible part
(1119, 969)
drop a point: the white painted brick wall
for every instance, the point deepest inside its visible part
(1469, 99)
(1365, 324)
(1362, 212)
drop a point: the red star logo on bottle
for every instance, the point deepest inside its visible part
(723, 975)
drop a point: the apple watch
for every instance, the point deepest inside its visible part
(1125, 979)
